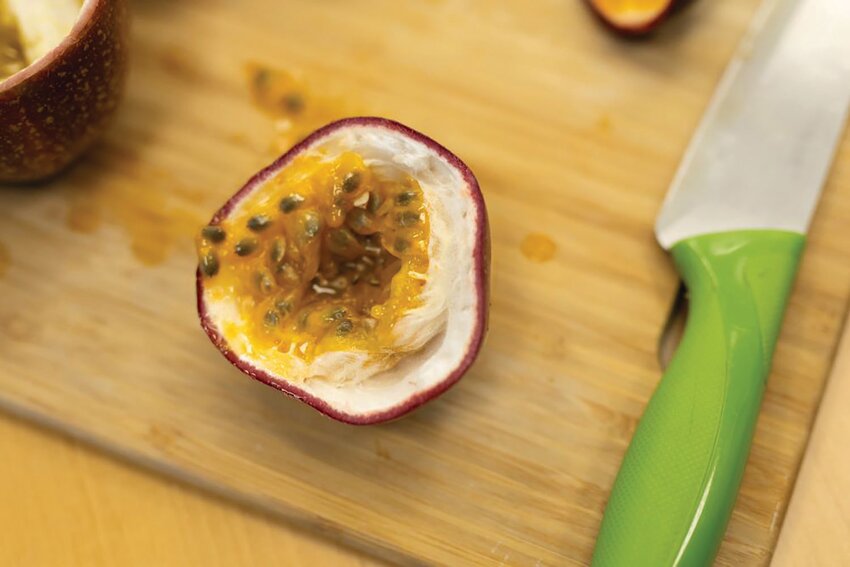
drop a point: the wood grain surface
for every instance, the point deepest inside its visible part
(572, 133)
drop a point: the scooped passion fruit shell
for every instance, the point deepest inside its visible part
(352, 273)
(56, 106)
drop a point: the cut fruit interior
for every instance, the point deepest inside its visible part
(29, 29)
(351, 272)
(632, 16)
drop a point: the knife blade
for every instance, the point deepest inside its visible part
(735, 220)
(764, 147)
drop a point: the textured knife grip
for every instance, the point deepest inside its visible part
(677, 484)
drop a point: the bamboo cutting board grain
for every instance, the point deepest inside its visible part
(574, 136)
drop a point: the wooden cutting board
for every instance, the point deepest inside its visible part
(574, 136)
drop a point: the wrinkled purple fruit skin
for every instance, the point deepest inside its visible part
(53, 110)
(481, 282)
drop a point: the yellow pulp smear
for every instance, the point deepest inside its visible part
(327, 256)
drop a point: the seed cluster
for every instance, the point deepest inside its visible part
(318, 263)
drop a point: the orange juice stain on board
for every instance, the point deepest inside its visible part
(142, 205)
(297, 109)
(538, 248)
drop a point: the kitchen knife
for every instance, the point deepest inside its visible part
(734, 220)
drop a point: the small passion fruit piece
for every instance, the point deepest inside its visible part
(633, 17)
(362, 289)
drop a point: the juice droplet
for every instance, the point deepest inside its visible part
(538, 247)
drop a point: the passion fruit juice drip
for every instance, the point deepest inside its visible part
(327, 257)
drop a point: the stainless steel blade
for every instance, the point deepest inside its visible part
(761, 154)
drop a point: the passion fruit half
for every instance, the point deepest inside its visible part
(352, 273)
(63, 65)
(632, 17)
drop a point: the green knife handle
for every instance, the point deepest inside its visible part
(678, 482)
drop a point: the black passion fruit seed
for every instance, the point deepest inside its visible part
(345, 326)
(271, 318)
(290, 203)
(405, 198)
(401, 245)
(407, 219)
(258, 223)
(214, 234)
(209, 264)
(303, 319)
(293, 103)
(342, 241)
(337, 314)
(265, 282)
(245, 247)
(351, 182)
(361, 221)
(311, 226)
(284, 307)
(374, 203)
(277, 251)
